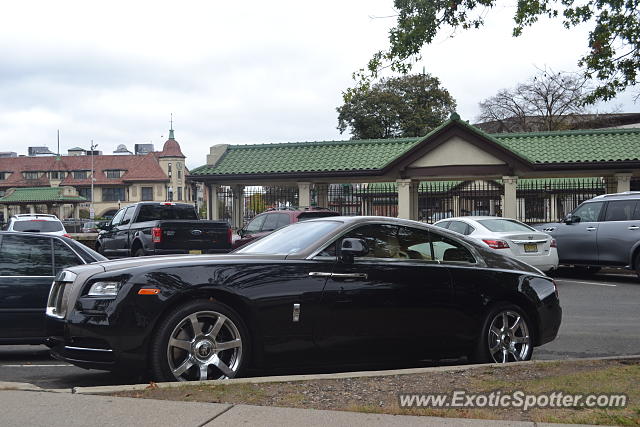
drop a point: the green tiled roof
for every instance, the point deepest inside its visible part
(308, 156)
(606, 145)
(522, 184)
(40, 194)
(582, 146)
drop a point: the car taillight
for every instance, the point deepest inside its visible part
(67, 235)
(229, 235)
(156, 234)
(496, 244)
(554, 244)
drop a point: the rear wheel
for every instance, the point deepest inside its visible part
(507, 336)
(200, 340)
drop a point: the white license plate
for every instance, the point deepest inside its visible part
(530, 247)
(195, 252)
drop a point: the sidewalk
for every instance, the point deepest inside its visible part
(42, 408)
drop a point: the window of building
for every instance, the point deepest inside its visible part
(178, 165)
(112, 194)
(170, 194)
(31, 175)
(179, 193)
(56, 175)
(179, 174)
(169, 170)
(113, 174)
(147, 194)
(85, 192)
(80, 175)
(3, 175)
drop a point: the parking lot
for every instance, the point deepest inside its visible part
(600, 318)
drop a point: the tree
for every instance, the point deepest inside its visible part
(409, 105)
(613, 57)
(547, 101)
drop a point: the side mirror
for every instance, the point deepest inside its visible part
(351, 247)
(240, 232)
(572, 219)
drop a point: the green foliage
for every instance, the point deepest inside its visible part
(613, 56)
(409, 105)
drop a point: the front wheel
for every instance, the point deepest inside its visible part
(506, 336)
(200, 340)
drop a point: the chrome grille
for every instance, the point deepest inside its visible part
(56, 306)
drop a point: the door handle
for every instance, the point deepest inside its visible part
(633, 227)
(349, 275)
(591, 228)
(339, 275)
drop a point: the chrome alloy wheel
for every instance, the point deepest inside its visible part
(509, 339)
(204, 345)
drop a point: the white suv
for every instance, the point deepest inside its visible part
(36, 223)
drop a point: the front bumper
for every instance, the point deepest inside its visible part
(550, 318)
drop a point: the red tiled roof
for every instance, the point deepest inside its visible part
(171, 149)
(138, 168)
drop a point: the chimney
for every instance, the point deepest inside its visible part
(215, 153)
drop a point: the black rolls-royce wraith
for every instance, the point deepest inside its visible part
(331, 290)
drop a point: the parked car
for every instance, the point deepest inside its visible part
(603, 231)
(271, 220)
(36, 223)
(160, 228)
(322, 291)
(28, 264)
(91, 226)
(508, 236)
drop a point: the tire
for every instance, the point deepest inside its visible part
(139, 252)
(99, 249)
(186, 348)
(494, 344)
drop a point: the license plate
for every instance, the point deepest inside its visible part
(530, 247)
(195, 252)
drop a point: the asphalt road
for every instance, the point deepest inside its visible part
(600, 318)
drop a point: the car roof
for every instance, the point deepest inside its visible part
(627, 195)
(30, 217)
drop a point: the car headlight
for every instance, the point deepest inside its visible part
(104, 289)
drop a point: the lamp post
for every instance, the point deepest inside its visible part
(92, 212)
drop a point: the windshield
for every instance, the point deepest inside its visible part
(291, 239)
(500, 225)
(37, 226)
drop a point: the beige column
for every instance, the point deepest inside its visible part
(304, 194)
(237, 210)
(322, 194)
(76, 211)
(61, 212)
(510, 206)
(5, 211)
(214, 212)
(553, 208)
(32, 209)
(623, 181)
(407, 200)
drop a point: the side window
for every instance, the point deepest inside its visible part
(63, 256)
(25, 256)
(588, 212)
(448, 250)
(382, 240)
(255, 225)
(283, 220)
(459, 227)
(414, 244)
(128, 214)
(117, 218)
(270, 223)
(622, 210)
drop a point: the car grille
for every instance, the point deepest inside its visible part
(56, 304)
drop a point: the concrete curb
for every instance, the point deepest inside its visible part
(342, 375)
(5, 385)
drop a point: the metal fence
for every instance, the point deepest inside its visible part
(538, 200)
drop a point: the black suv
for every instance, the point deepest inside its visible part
(603, 231)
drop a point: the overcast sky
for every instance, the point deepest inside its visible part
(230, 72)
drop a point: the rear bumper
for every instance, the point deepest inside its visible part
(542, 262)
(550, 318)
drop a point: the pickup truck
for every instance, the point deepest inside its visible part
(159, 228)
